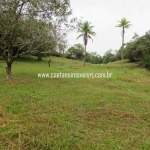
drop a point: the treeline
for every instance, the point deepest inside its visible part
(137, 50)
(77, 52)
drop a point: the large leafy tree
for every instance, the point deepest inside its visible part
(138, 49)
(75, 52)
(124, 24)
(20, 34)
(86, 31)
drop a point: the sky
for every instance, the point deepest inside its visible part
(104, 16)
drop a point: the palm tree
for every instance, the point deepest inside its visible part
(85, 29)
(123, 24)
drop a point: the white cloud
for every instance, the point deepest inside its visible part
(104, 14)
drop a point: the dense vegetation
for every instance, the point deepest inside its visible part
(77, 52)
(139, 50)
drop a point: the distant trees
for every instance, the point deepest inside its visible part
(75, 52)
(124, 23)
(28, 27)
(109, 56)
(86, 31)
(94, 58)
(138, 49)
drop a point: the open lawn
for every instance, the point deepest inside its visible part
(74, 113)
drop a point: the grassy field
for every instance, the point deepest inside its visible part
(74, 113)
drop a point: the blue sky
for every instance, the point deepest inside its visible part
(104, 15)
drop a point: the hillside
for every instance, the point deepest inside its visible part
(74, 113)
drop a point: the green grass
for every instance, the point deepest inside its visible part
(74, 114)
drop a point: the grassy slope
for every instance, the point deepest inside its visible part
(86, 114)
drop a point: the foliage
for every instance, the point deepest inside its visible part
(94, 58)
(86, 31)
(139, 49)
(108, 56)
(75, 52)
(117, 55)
(124, 23)
(146, 62)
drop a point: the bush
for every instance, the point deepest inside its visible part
(146, 62)
(138, 50)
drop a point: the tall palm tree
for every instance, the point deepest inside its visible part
(124, 23)
(86, 31)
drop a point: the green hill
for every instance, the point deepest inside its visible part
(74, 113)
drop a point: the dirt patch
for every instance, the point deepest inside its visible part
(137, 79)
(1, 114)
(146, 105)
(107, 116)
(143, 81)
(3, 119)
(14, 81)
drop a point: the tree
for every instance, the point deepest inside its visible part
(86, 31)
(109, 56)
(93, 58)
(41, 37)
(123, 24)
(20, 34)
(138, 49)
(75, 52)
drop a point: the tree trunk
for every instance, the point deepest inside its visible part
(8, 70)
(9, 64)
(39, 56)
(122, 54)
(63, 52)
(85, 56)
(85, 39)
(49, 63)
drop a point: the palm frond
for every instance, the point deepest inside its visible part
(128, 26)
(119, 25)
(81, 31)
(123, 23)
(92, 33)
(80, 36)
(90, 37)
(86, 29)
